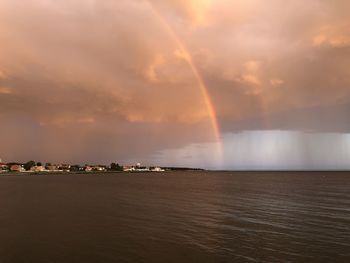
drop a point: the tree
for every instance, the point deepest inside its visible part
(29, 165)
(116, 167)
(38, 164)
(75, 168)
(113, 166)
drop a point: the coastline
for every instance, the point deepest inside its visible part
(232, 172)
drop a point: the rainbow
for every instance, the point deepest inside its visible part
(203, 88)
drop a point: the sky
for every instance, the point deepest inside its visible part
(220, 84)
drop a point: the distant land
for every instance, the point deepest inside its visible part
(38, 167)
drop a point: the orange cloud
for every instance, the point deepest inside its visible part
(194, 11)
(2, 75)
(151, 70)
(72, 63)
(5, 90)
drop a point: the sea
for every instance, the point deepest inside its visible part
(189, 216)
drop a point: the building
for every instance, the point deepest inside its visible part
(142, 169)
(88, 168)
(52, 168)
(137, 168)
(17, 168)
(63, 167)
(99, 168)
(37, 169)
(157, 169)
(129, 169)
(3, 167)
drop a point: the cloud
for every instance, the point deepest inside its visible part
(194, 12)
(5, 90)
(276, 82)
(2, 75)
(73, 65)
(94, 63)
(151, 71)
(330, 37)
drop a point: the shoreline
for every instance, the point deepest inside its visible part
(24, 174)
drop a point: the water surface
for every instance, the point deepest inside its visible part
(176, 217)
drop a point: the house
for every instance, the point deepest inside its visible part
(64, 167)
(137, 168)
(142, 169)
(37, 169)
(157, 169)
(17, 168)
(129, 169)
(88, 168)
(3, 167)
(99, 168)
(52, 168)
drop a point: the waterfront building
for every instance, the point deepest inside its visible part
(99, 168)
(88, 168)
(37, 168)
(3, 167)
(63, 167)
(128, 169)
(52, 168)
(17, 168)
(157, 169)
